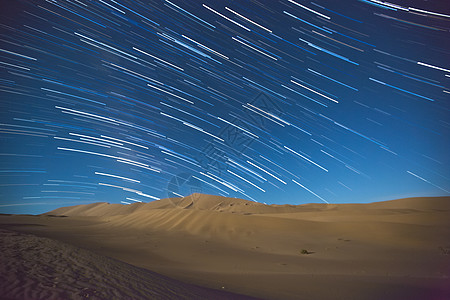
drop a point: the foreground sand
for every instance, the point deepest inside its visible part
(33, 267)
(386, 250)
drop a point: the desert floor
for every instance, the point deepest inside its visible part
(396, 249)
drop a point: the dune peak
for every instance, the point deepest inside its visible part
(214, 203)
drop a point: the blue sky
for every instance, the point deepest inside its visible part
(271, 101)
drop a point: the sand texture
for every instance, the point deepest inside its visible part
(396, 249)
(34, 267)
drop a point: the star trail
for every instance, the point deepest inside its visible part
(272, 101)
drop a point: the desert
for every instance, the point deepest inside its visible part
(234, 149)
(212, 247)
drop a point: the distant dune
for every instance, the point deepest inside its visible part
(397, 249)
(193, 202)
(198, 201)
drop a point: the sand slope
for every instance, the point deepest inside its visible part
(386, 250)
(40, 268)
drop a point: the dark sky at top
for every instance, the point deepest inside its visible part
(272, 101)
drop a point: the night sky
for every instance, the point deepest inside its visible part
(272, 101)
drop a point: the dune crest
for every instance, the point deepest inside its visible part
(195, 201)
(205, 202)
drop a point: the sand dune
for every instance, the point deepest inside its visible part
(386, 250)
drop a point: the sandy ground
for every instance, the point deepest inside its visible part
(34, 267)
(386, 250)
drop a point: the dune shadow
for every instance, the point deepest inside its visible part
(20, 224)
(56, 216)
